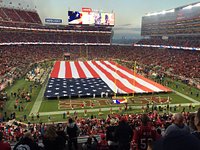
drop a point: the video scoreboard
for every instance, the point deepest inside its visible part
(89, 17)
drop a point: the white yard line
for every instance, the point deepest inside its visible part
(38, 102)
(78, 111)
(186, 97)
(107, 109)
(36, 106)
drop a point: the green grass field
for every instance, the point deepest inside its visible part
(21, 84)
(52, 105)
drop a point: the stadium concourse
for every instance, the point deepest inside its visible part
(30, 52)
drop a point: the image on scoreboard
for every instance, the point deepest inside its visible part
(74, 17)
(91, 18)
(107, 19)
(87, 18)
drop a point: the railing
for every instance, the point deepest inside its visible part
(53, 30)
(51, 43)
(169, 47)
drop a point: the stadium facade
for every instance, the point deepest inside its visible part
(177, 28)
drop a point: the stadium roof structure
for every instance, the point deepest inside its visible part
(18, 4)
(180, 21)
(188, 6)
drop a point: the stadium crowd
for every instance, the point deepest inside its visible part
(16, 61)
(170, 62)
(182, 63)
(8, 36)
(181, 41)
(136, 131)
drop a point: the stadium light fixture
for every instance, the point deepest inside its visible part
(148, 14)
(196, 5)
(157, 13)
(154, 14)
(160, 13)
(188, 7)
(163, 12)
(171, 11)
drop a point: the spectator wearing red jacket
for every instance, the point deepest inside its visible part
(4, 145)
(144, 134)
(103, 144)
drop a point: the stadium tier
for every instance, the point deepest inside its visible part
(176, 28)
(17, 36)
(180, 42)
(18, 25)
(173, 63)
(18, 17)
(178, 21)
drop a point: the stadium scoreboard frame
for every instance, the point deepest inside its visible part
(90, 17)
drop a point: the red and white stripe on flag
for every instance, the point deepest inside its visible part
(120, 79)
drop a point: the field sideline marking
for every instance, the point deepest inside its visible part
(195, 102)
(186, 97)
(38, 102)
(36, 106)
(104, 109)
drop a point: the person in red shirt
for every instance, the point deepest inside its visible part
(4, 145)
(144, 135)
(103, 144)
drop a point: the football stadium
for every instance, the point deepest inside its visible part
(84, 76)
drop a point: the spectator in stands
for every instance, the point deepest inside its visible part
(89, 145)
(103, 144)
(177, 140)
(73, 132)
(60, 132)
(177, 125)
(27, 143)
(4, 145)
(177, 137)
(123, 134)
(52, 140)
(197, 124)
(191, 123)
(144, 134)
(110, 135)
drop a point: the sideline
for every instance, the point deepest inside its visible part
(36, 106)
(107, 109)
(186, 97)
(38, 102)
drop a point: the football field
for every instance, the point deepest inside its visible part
(53, 110)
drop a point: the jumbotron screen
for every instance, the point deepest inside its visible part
(91, 18)
(182, 20)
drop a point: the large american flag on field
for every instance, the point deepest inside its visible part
(77, 78)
